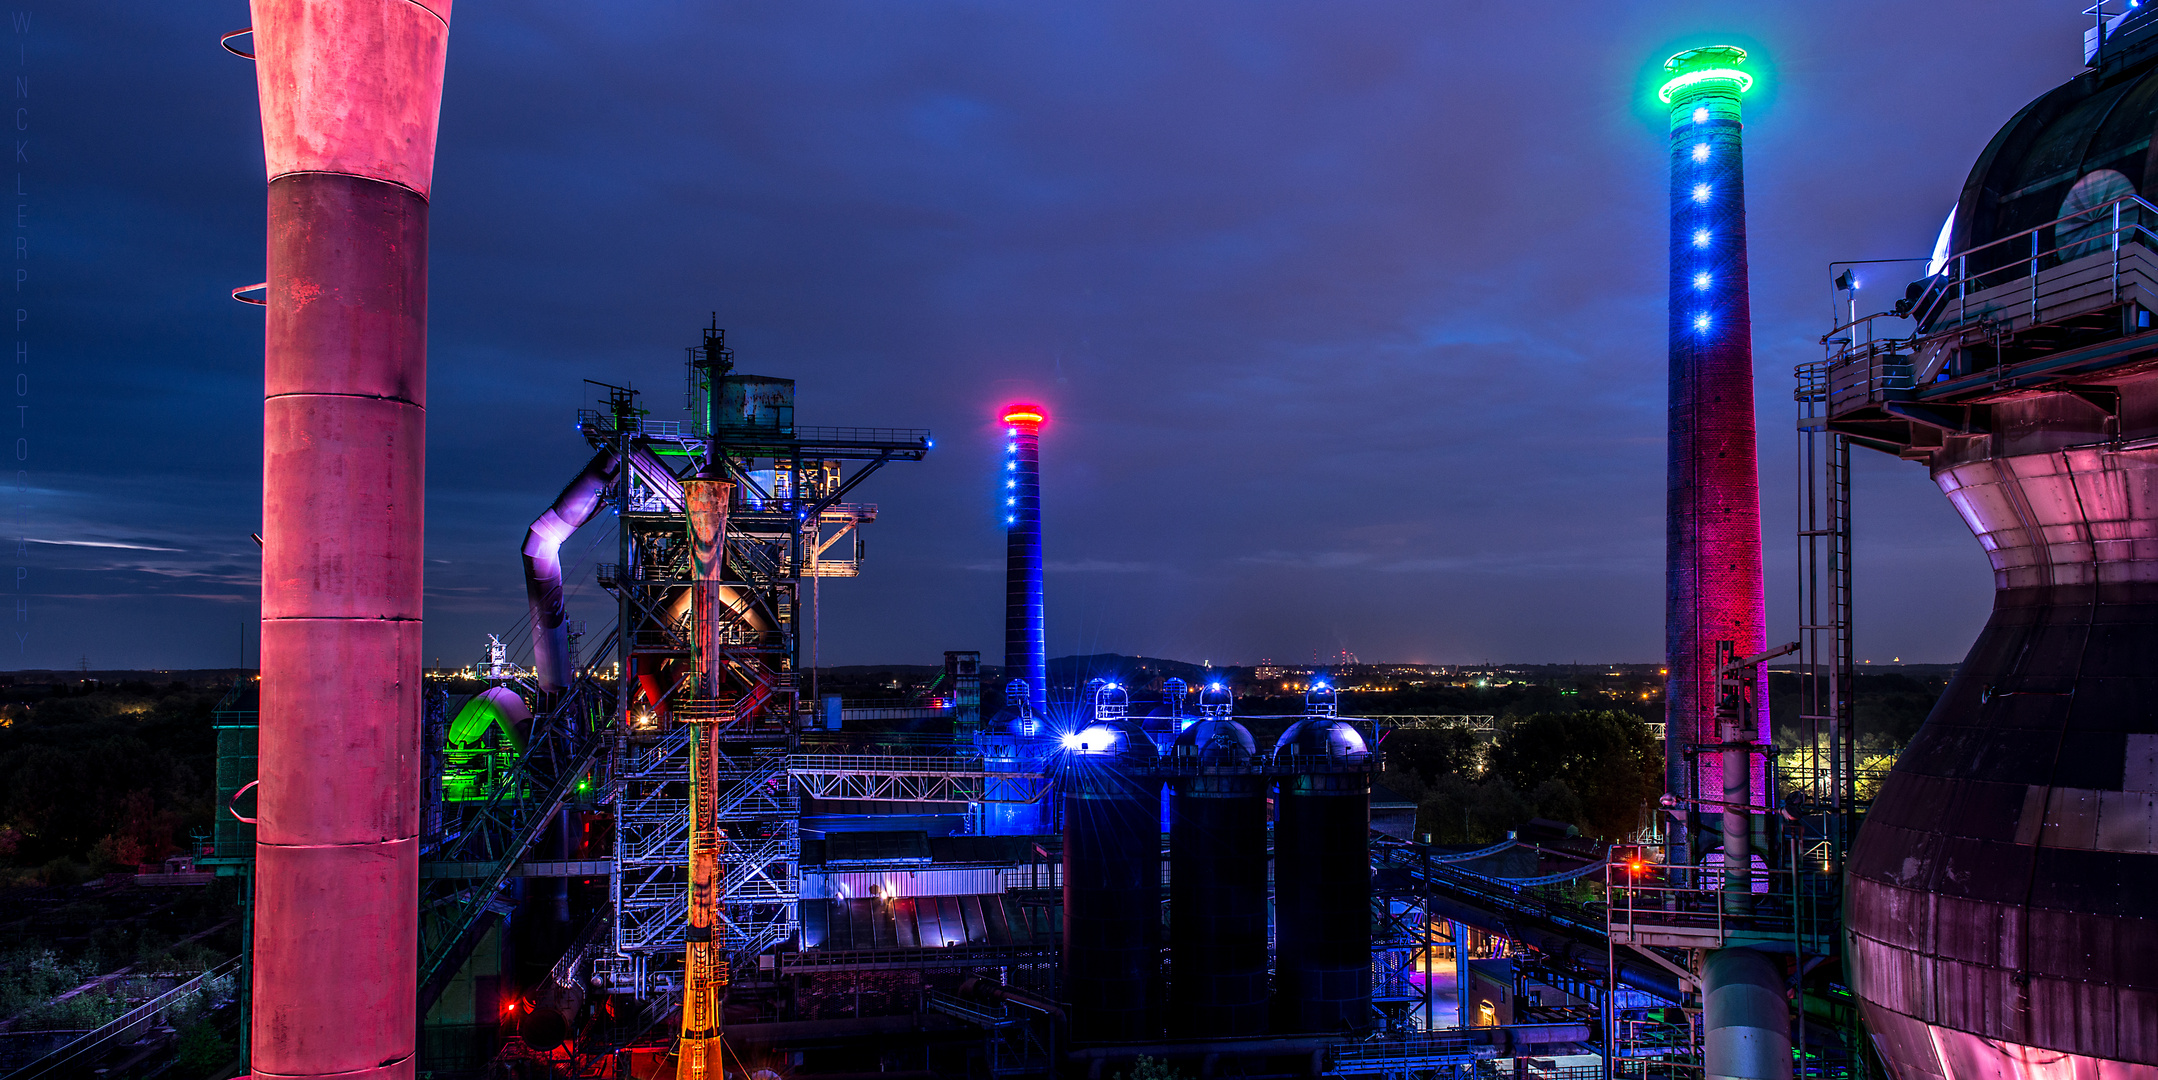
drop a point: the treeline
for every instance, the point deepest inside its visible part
(103, 778)
(1594, 769)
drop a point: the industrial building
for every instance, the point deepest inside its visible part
(658, 851)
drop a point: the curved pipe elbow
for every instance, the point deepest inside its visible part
(542, 551)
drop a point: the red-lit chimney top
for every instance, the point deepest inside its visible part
(1024, 414)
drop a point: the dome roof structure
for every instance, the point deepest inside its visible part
(2080, 145)
(1120, 738)
(1217, 741)
(1322, 736)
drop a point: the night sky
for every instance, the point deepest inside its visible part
(1349, 317)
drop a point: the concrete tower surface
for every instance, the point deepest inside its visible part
(1026, 644)
(351, 91)
(1712, 564)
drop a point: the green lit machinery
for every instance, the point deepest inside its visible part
(482, 747)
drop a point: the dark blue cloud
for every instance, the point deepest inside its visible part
(1349, 318)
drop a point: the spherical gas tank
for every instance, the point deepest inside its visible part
(1322, 879)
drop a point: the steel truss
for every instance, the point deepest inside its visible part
(788, 520)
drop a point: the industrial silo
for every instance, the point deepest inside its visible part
(1322, 879)
(1217, 882)
(1112, 876)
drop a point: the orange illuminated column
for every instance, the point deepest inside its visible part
(350, 93)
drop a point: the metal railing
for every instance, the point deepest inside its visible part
(1997, 287)
(126, 1026)
(1677, 905)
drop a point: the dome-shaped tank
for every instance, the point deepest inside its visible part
(1998, 902)
(1216, 741)
(2078, 147)
(1316, 736)
(1112, 876)
(1322, 878)
(1015, 740)
(1217, 882)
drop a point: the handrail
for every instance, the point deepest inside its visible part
(122, 1024)
(1963, 279)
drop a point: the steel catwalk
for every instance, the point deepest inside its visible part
(1713, 585)
(350, 92)
(1026, 642)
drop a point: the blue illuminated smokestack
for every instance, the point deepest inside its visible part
(1026, 645)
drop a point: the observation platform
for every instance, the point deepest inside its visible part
(2024, 316)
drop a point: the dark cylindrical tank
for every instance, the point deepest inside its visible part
(1217, 883)
(1112, 882)
(1322, 879)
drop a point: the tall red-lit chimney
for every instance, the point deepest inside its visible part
(351, 91)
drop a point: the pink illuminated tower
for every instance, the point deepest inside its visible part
(351, 91)
(1713, 589)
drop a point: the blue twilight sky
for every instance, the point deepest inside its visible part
(1349, 317)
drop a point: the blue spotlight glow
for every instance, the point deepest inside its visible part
(1700, 238)
(1700, 151)
(1700, 115)
(1700, 193)
(1701, 321)
(1701, 281)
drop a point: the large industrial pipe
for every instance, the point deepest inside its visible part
(351, 92)
(579, 500)
(1026, 642)
(1746, 1018)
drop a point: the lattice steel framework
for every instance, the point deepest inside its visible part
(787, 520)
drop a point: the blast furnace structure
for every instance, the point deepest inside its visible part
(2000, 913)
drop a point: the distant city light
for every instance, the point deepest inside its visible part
(1700, 281)
(1700, 151)
(1700, 238)
(1700, 193)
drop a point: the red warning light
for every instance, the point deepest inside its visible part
(1023, 413)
